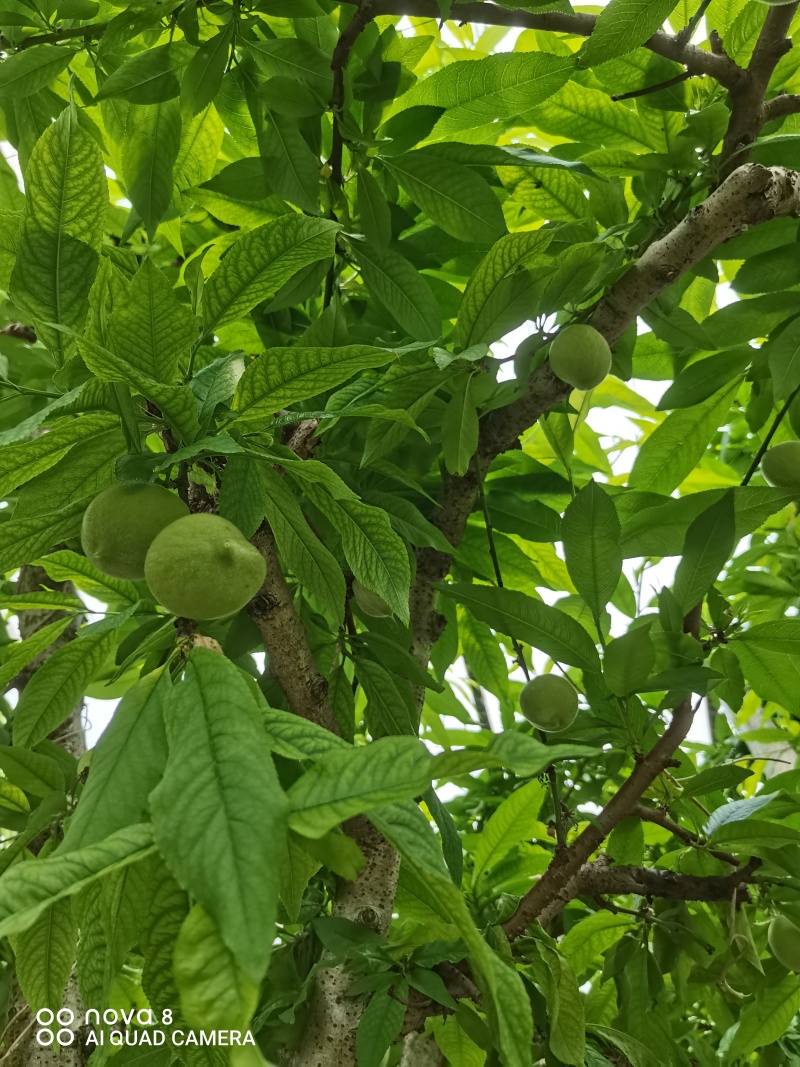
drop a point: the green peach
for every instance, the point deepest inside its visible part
(580, 356)
(549, 702)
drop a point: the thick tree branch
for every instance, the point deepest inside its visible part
(284, 635)
(781, 105)
(749, 112)
(697, 62)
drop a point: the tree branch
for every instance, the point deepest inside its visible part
(655, 815)
(341, 55)
(286, 642)
(71, 33)
(749, 112)
(694, 59)
(781, 105)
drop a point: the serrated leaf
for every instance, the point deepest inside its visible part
(215, 994)
(520, 616)
(460, 427)
(301, 550)
(148, 153)
(348, 783)
(673, 448)
(127, 763)
(769, 654)
(147, 78)
(379, 1026)
(398, 286)
(219, 811)
(591, 533)
(709, 543)
(44, 955)
(390, 704)
(513, 821)
(50, 696)
(61, 232)
(206, 69)
(503, 260)
(628, 661)
(623, 26)
(768, 1018)
(477, 92)
(151, 330)
(36, 774)
(375, 553)
(25, 73)
(454, 197)
(291, 167)
(29, 889)
(283, 376)
(261, 262)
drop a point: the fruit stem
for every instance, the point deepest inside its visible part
(767, 440)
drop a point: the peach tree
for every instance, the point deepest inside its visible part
(295, 270)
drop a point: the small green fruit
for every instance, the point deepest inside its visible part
(549, 702)
(781, 465)
(784, 942)
(580, 356)
(370, 603)
(121, 522)
(201, 567)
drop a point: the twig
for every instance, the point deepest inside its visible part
(655, 815)
(687, 32)
(634, 93)
(71, 33)
(751, 470)
(341, 55)
(781, 105)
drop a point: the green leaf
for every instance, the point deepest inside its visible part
(127, 764)
(291, 167)
(702, 379)
(29, 889)
(36, 774)
(520, 616)
(397, 285)
(390, 703)
(50, 696)
(477, 92)
(67, 566)
(769, 654)
(215, 993)
(284, 376)
(148, 153)
(299, 739)
(485, 290)
(25, 73)
(768, 1017)
(301, 550)
(673, 448)
(591, 534)
(504, 998)
(206, 69)
(61, 232)
(22, 540)
(22, 461)
(21, 653)
(375, 553)
(373, 211)
(146, 78)
(585, 942)
(625, 843)
(261, 262)
(219, 811)
(455, 198)
(623, 26)
(44, 955)
(565, 1004)
(513, 821)
(709, 542)
(460, 427)
(783, 354)
(378, 1028)
(348, 783)
(736, 812)
(628, 661)
(151, 330)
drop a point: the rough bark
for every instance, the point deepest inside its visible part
(330, 1039)
(420, 1050)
